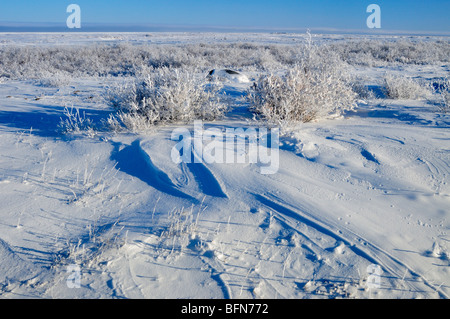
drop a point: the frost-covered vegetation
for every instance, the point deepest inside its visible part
(162, 96)
(127, 60)
(318, 85)
(384, 52)
(443, 90)
(298, 82)
(401, 87)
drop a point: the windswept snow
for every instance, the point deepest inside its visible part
(362, 192)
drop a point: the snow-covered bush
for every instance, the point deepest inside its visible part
(363, 91)
(123, 59)
(443, 91)
(402, 87)
(382, 52)
(75, 122)
(165, 96)
(57, 79)
(315, 87)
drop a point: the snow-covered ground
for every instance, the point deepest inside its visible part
(359, 207)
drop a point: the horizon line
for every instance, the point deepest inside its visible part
(58, 27)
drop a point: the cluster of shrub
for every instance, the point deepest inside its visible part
(164, 85)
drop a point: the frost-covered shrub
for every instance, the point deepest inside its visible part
(382, 52)
(315, 87)
(123, 59)
(75, 122)
(363, 91)
(443, 91)
(126, 60)
(402, 87)
(165, 96)
(57, 79)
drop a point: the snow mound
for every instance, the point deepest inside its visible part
(12, 266)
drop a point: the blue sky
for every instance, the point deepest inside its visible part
(405, 15)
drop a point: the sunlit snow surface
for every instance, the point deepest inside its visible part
(368, 188)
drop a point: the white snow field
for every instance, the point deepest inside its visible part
(358, 208)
